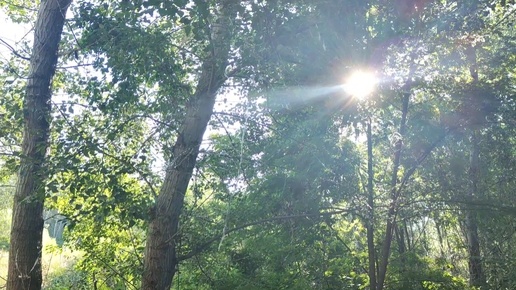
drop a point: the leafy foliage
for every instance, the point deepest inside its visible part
(279, 194)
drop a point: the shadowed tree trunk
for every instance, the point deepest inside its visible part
(476, 274)
(393, 208)
(160, 259)
(371, 252)
(395, 191)
(27, 221)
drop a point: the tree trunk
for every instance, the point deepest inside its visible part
(476, 274)
(370, 202)
(400, 237)
(393, 207)
(160, 259)
(440, 238)
(27, 220)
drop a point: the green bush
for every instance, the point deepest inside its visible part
(65, 279)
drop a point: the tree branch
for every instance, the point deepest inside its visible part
(205, 245)
(14, 50)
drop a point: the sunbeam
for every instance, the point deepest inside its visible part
(360, 84)
(301, 95)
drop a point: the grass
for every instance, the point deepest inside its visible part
(3, 268)
(54, 259)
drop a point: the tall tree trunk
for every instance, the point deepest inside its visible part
(393, 207)
(440, 238)
(370, 202)
(401, 239)
(24, 270)
(476, 274)
(160, 259)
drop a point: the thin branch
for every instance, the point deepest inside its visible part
(13, 4)
(14, 50)
(74, 66)
(347, 248)
(101, 150)
(420, 160)
(503, 19)
(114, 271)
(205, 245)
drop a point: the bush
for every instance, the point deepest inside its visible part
(65, 279)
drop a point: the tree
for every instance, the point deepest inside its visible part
(287, 196)
(27, 222)
(160, 258)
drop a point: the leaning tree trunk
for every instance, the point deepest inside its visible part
(394, 194)
(27, 221)
(160, 259)
(395, 187)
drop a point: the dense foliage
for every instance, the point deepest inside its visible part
(297, 183)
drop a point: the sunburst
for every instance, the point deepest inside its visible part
(360, 84)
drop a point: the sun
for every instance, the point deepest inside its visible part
(360, 84)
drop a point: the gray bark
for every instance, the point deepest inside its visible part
(160, 259)
(24, 270)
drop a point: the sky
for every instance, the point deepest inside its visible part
(11, 33)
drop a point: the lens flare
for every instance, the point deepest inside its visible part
(360, 84)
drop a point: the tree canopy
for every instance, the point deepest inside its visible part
(230, 144)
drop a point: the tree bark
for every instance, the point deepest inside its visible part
(24, 270)
(160, 259)
(476, 274)
(370, 202)
(393, 207)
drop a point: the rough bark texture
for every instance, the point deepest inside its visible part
(27, 221)
(160, 259)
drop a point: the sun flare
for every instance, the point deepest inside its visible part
(360, 84)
